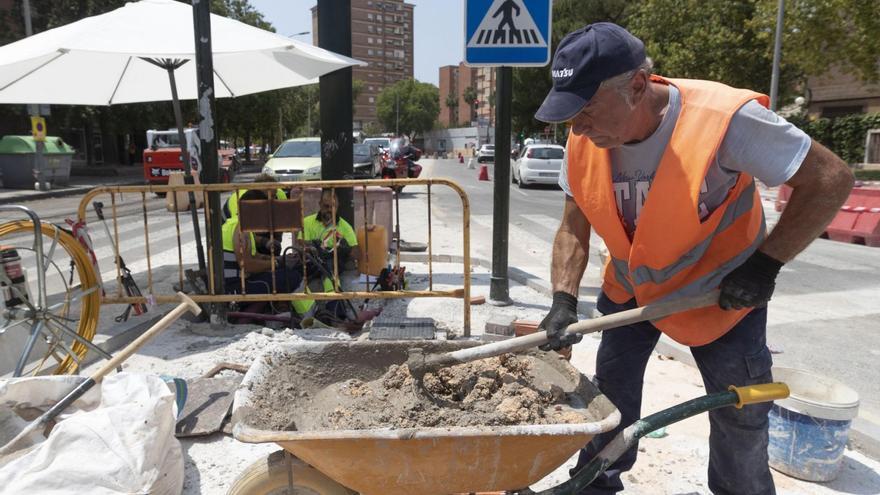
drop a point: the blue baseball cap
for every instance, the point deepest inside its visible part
(583, 59)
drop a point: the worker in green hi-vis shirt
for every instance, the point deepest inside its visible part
(319, 231)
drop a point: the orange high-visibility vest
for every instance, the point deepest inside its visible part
(673, 253)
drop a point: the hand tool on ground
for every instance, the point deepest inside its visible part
(185, 304)
(419, 364)
(131, 288)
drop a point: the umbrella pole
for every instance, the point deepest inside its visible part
(200, 252)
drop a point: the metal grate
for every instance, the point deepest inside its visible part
(402, 329)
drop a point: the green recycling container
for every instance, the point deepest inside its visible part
(18, 164)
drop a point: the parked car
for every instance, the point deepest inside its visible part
(538, 164)
(367, 161)
(486, 153)
(295, 160)
(382, 142)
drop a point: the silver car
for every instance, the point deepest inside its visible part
(538, 164)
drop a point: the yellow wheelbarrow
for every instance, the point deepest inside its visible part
(431, 460)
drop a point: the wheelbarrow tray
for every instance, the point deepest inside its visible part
(429, 460)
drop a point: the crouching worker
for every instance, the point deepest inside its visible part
(248, 251)
(322, 239)
(230, 207)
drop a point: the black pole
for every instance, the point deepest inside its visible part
(208, 138)
(499, 293)
(334, 34)
(178, 118)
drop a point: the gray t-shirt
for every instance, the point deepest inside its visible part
(758, 142)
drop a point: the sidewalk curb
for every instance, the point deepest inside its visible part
(864, 434)
(57, 193)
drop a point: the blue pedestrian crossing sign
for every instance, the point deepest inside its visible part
(507, 32)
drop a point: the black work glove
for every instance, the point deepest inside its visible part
(751, 284)
(562, 313)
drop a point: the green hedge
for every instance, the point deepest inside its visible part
(867, 174)
(845, 136)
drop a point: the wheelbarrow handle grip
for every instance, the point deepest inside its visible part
(765, 392)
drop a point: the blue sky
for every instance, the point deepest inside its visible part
(438, 30)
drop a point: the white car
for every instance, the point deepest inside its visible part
(486, 153)
(538, 164)
(296, 159)
(382, 142)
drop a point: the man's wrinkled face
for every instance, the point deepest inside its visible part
(605, 119)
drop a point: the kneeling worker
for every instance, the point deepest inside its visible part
(244, 250)
(318, 230)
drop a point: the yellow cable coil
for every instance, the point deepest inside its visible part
(91, 303)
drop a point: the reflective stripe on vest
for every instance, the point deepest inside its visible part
(742, 205)
(230, 261)
(673, 253)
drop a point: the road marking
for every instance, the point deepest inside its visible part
(520, 191)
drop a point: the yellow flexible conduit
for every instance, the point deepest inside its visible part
(91, 303)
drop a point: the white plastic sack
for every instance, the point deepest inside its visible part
(120, 439)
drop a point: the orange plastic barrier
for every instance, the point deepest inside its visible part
(857, 222)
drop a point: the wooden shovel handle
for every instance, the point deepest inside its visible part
(649, 312)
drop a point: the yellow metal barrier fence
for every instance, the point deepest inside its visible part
(297, 189)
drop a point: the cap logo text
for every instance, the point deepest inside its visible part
(567, 72)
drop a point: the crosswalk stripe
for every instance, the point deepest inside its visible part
(546, 222)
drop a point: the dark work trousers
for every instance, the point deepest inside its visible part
(738, 438)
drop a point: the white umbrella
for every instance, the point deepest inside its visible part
(145, 51)
(100, 60)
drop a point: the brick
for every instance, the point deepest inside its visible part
(526, 327)
(500, 325)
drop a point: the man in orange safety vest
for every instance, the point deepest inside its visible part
(663, 170)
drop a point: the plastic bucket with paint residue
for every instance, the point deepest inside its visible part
(809, 429)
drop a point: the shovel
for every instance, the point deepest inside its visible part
(185, 304)
(419, 364)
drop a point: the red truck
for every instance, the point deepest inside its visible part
(163, 156)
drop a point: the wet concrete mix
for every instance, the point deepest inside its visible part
(505, 390)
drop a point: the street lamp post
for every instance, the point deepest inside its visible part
(308, 93)
(777, 55)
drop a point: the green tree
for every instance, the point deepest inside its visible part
(732, 41)
(729, 41)
(452, 104)
(372, 129)
(419, 105)
(531, 84)
(470, 96)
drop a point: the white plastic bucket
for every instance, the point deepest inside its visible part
(809, 430)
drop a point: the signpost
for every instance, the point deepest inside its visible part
(505, 34)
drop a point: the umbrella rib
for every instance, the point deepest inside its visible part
(60, 53)
(231, 93)
(119, 82)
